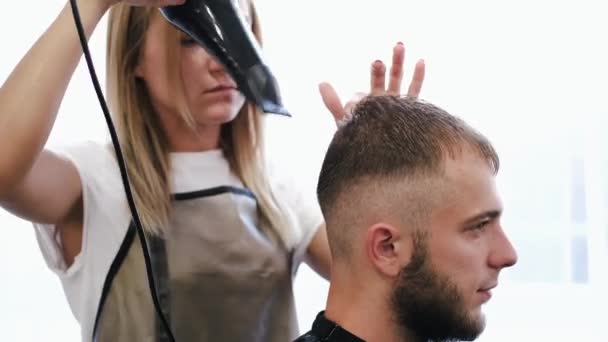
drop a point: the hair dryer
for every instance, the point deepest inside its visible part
(221, 30)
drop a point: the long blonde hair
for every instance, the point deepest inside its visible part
(144, 144)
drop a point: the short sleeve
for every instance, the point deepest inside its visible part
(300, 199)
(96, 169)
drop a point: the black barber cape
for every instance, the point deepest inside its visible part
(327, 331)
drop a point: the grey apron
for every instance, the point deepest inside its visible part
(218, 277)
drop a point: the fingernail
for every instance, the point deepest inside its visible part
(400, 43)
(378, 63)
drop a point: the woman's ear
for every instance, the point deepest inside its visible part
(139, 73)
(388, 248)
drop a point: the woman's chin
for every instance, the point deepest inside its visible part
(217, 114)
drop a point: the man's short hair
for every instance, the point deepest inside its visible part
(383, 159)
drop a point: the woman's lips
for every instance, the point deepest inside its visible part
(221, 88)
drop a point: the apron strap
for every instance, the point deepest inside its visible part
(160, 268)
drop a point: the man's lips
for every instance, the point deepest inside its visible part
(487, 288)
(486, 292)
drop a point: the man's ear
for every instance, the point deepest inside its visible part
(388, 248)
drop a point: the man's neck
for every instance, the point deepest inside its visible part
(363, 312)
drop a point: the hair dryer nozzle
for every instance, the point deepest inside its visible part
(218, 27)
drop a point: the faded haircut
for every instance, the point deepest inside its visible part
(385, 157)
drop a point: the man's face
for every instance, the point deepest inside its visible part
(457, 258)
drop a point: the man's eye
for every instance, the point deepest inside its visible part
(481, 225)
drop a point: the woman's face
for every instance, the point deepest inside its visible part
(209, 91)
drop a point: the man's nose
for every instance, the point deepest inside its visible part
(504, 254)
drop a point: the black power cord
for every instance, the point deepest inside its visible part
(123, 169)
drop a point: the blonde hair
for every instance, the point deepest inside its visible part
(144, 144)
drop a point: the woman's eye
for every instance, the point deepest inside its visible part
(188, 42)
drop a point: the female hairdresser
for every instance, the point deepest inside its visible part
(224, 235)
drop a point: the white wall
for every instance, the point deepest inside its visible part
(530, 74)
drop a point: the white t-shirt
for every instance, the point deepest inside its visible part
(107, 217)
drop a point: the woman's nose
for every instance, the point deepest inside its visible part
(214, 65)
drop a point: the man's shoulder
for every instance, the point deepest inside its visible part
(324, 329)
(308, 337)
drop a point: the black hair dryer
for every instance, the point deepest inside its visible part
(221, 30)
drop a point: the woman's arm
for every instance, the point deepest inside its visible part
(35, 184)
(318, 255)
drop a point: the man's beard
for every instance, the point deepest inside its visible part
(429, 305)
